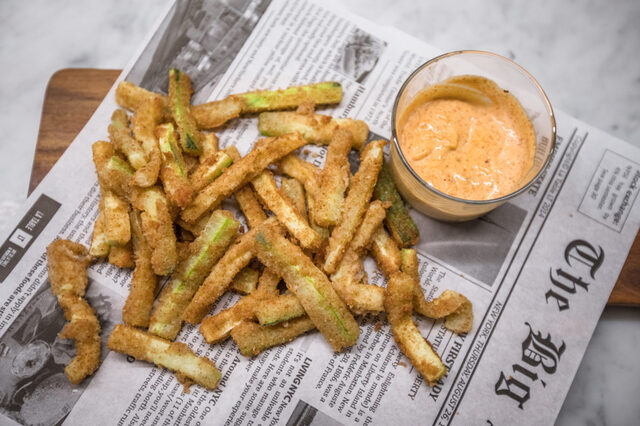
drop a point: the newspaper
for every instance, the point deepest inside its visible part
(538, 270)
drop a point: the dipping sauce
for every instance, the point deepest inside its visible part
(468, 138)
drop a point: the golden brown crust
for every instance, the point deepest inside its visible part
(335, 180)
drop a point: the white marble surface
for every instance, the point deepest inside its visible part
(584, 53)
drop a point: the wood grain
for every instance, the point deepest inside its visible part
(74, 94)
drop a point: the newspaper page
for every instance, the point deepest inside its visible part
(538, 269)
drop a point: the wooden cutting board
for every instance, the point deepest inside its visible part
(73, 95)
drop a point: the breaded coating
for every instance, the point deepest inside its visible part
(349, 281)
(386, 253)
(131, 97)
(327, 311)
(120, 136)
(174, 356)
(402, 227)
(173, 172)
(116, 218)
(209, 145)
(211, 244)
(372, 221)
(148, 116)
(293, 190)
(180, 91)
(137, 307)
(114, 173)
(254, 338)
(246, 198)
(157, 226)
(335, 180)
(215, 113)
(355, 204)
(278, 309)
(308, 174)
(315, 128)
(451, 305)
(236, 257)
(324, 93)
(264, 153)
(122, 256)
(245, 281)
(399, 306)
(68, 262)
(287, 214)
(99, 243)
(216, 328)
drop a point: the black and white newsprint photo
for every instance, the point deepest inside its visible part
(359, 55)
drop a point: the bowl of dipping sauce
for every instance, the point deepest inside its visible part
(470, 130)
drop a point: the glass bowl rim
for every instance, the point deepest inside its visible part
(508, 196)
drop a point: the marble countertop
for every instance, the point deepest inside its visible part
(584, 53)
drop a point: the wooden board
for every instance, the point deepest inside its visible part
(74, 94)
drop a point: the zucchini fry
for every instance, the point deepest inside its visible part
(210, 169)
(314, 291)
(148, 116)
(209, 146)
(386, 253)
(217, 328)
(315, 128)
(245, 281)
(173, 173)
(68, 262)
(287, 214)
(216, 113)
(131, 97)
(402, 227)
(166, 320)
(253, 338)
(293, 190)
(175, 356)
(180, 91)
(113, 171)
(250, 206)
(373, 218)
(305, 172)
(327, 92)
(236, 257)
(137, 308)
(335, 180)
(116, 219)
(278, 309)
(264, 153)
(99, 243)
(355, 204)
(361, 297)
(451, 305)
(120, 136)
(399, 306)
(157, 227)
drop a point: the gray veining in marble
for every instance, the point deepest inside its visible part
(584, 53)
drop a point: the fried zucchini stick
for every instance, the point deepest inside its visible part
(210, 169)
(236, 257)
(253, 338)
(180, 91)
(99, 244)
(451, 305)
(215, 113)
(373, 218)
(173, 173)
(245, 281)
(122, 256)
(278, 309)
(402, 227)
(131, 97)
(120, 136)
(209, 146)
(157, 227)
(246, 198)
(216, 328)
(355, 204)
(137, 308)
(335, 180)
(327, 311)
(386, 253)
(113, 171)
(148, 116)
(305, 172)
(324, 93)
(116, 219)
(293, 190)
(264, 153)
(174, 356)
(68, 262)
(288, 215)
(315, 128)
(399, 306)
(166, 320)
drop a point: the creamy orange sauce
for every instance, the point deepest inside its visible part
(468, 138)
